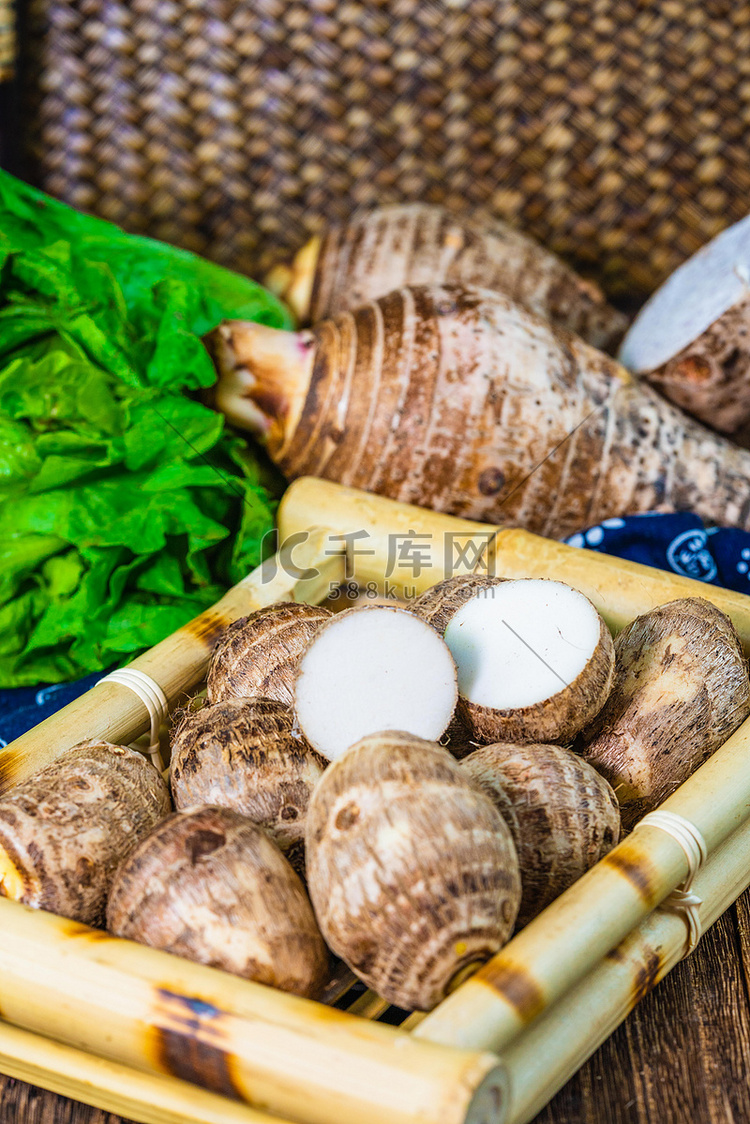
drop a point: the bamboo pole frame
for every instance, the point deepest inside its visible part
(549, 1053)
(145, 1097)
(170, 1020)
(155, 1012)
(621, 590)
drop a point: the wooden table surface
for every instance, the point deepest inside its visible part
(681, 1057)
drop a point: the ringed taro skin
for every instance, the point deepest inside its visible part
(681, 688)
(562, 814)
(412, 870)
(209, 885)
(247, 754)
(64, 830)
(258, 654)
(458, 400)
(377, 251)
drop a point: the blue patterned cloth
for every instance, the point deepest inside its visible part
(682, 543)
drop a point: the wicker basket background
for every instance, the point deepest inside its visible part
(615, 131)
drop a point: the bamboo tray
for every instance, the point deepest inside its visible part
(159, 1039)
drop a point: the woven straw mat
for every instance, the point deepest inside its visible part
(615, 131)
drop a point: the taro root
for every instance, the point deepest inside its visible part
(371, 668)
(680, 690)
(412, 870)
(438, 603)
(691, 340)
(562, 814)
(375, 252)
(535, 661)
(247, 754)
(460, 401)
(257, 655)
(209, 885)
(64, 830)
(436, 606)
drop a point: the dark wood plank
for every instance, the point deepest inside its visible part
(722, 1013)
(681, 1057)
(25, 1104)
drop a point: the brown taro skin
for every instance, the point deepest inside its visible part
(209, 885)
(710, 378)
(440, 602)
(681, 689)
(562, 814)
(248, 754)
(64, 831)
(460, 401)
(258, 654)
(377, 251)
(412, 870)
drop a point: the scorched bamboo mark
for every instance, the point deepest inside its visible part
(207, 627)
(11, 764)
(516, 985)
(634, 868)
(647, 977)
(189, 1042)
(646, 971)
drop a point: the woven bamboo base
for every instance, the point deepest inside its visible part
(612, 130)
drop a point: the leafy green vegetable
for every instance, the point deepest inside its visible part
(125, 505)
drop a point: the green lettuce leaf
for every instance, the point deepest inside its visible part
(126, 507)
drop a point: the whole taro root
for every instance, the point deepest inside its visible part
(64, 830)
(375, 252)
(412, 870)
(209, 885)
(681, 688)
(562, 814)
(246, 754)
(461, 401)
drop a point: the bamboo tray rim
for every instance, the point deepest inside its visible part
(297, 589)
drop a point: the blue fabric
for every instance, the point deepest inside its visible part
(24, 707)
(682, 543)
